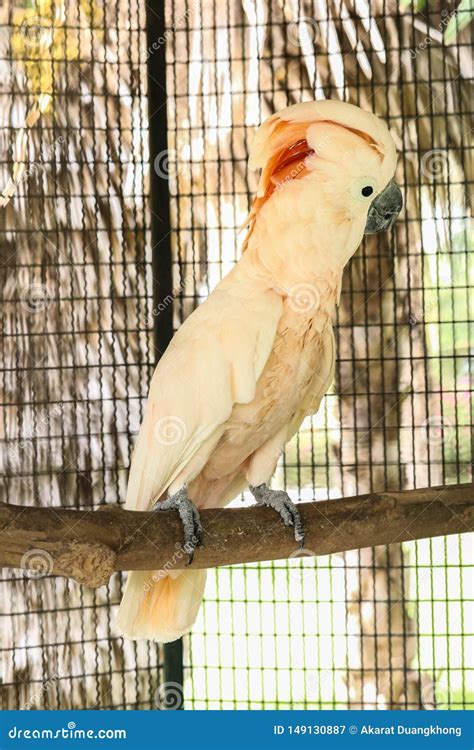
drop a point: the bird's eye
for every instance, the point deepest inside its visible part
(363, 189)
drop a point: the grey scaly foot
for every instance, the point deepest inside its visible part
(189, 516)
(282, 503)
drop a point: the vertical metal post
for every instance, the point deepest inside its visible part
(161, 253)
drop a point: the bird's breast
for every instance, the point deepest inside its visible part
(281, 388)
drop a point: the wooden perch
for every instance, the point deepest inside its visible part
(89, 546)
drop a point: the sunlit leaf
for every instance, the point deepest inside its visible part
(459, 20)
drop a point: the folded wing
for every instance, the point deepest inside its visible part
(213, 362)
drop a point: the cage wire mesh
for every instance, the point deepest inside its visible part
(76, 336)
(374, 628)
(385, 628)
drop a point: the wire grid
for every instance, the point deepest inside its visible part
(78, 353)
(384, 628)
(76, 339)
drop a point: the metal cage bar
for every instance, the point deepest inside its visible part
(129, 190)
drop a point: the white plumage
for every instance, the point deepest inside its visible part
(257, 356)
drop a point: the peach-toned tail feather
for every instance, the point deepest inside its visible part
(160, 606)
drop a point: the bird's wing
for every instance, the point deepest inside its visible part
(321, 381)
(213, 362)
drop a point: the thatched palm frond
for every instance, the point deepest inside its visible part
(76, 338)
(249, 60)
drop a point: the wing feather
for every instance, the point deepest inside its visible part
(320, 384)
(213, 362)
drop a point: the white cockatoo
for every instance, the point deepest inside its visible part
(257, 356)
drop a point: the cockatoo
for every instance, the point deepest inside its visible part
(257, 356)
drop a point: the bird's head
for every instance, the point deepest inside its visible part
(326, 179)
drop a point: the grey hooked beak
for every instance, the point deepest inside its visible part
(384, 209)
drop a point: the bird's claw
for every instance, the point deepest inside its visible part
(283, 504)
(189, 516)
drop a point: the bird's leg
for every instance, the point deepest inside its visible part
(189, 516)
(282, 503)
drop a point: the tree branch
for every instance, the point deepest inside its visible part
(89, 546)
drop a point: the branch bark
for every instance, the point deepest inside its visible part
(89, 546)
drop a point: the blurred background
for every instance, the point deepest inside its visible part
(85, 255)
